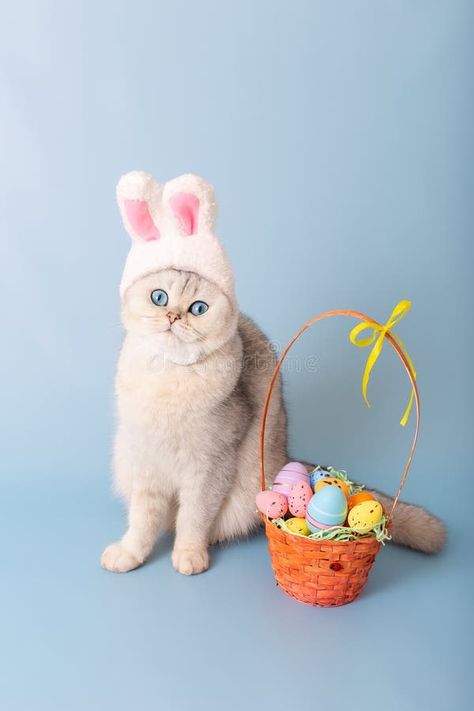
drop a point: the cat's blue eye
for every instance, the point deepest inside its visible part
(159, 297)
(198, 308)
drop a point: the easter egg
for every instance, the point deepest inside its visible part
(272, 504)
(300, 494)
(364, 516)
(327, 508)
(332, 481)
(298, 525)
(289, 475)
(359, 498)
(317, 474)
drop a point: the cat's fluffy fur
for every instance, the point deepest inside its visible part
(190, 392)
(189, 400)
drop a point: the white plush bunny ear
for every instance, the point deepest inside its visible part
(139, 201)
(190, 204)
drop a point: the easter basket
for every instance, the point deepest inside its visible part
(328, 573)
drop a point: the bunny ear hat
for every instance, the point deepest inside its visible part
(171, 226)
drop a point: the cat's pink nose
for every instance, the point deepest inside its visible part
(172, 316)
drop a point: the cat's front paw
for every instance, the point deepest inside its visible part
(190, 561)
(118, 559)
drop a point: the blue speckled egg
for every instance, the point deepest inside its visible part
(328, 507)
(317, 474)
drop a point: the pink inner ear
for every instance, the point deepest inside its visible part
(140, 220)
(186, 208)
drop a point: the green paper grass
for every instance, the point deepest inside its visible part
(340, 533)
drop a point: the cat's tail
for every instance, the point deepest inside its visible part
(413, 526)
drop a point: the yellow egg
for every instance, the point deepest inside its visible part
(298, 525)
(332, 481)
(365, 516)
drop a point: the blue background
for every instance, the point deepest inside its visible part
(339, 138)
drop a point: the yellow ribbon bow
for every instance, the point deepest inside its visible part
(378, 335)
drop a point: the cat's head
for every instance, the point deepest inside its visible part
(177, 288)
(183, 315)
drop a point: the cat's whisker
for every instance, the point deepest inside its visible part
(149, 318)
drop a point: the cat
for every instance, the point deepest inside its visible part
(191, 380)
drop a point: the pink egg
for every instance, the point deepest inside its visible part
(289, 475)
(272, 504)
(299, 498)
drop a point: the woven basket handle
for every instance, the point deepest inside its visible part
(401, 355)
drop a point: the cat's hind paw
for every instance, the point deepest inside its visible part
(118, 559)
(190, 561)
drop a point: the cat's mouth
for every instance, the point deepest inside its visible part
(170, 331)
(183, 335)
(167, 332)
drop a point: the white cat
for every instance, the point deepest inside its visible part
(191, 381)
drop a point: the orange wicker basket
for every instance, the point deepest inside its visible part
(320, 572)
